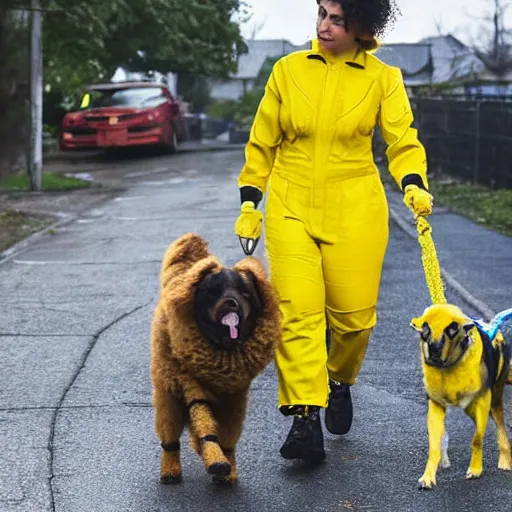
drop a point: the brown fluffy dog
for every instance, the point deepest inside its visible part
(214, 330)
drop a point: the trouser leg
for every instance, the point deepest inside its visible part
(352, 268)
(347, 353)
(296, 272)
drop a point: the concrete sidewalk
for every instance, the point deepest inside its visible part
(476, 262)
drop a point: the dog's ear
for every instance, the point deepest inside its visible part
(257, 273)
(417, 324)
(422, 327)
(181, 255)
(468, 326)
(200, 269)
(183, 286)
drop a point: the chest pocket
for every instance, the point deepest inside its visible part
(299, 104)
(286, 122)
(358, 107)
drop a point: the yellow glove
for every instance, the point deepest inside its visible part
(418, 200)
(248, 226)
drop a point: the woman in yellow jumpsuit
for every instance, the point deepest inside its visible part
(326, 219)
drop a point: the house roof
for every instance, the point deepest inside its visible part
(249, 64)
(437, 59)
(412, 58)
(453, 60)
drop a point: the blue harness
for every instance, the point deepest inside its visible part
(494, 352)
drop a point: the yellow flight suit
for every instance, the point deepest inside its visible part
(326, 218)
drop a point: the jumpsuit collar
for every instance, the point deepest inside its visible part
(353, 58)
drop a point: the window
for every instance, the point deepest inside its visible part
(142, 97)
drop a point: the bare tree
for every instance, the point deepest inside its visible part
(438, 23)
(256, 29)
(492, 45)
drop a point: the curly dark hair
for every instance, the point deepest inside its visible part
(372, 17)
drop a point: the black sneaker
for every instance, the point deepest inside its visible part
(339, 412)
(305, 440)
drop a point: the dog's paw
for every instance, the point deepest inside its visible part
(220, 469)
(426, 482)
(445, 462)
(505, 463)
(170, 479)
(231, 479)
(473, 473)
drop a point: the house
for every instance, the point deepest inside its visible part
(455, 62)
(414, 60)
(249, 66)
(438, 62)
(433, 62)
(445, 64)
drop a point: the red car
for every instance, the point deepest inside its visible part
(125, 114)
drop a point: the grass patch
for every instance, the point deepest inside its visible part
(51, 181)
(16, 226)
(490, 208)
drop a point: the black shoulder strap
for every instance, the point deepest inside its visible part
(491, 357)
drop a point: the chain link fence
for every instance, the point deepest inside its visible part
(469, 139)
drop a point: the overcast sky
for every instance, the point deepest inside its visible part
(295, 19)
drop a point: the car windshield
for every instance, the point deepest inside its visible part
(132, 97)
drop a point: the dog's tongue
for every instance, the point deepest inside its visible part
(231, 320)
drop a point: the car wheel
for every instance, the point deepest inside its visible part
(170, 140)
(173, 146)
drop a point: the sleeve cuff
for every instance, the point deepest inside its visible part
(413, 179)
(253, 194)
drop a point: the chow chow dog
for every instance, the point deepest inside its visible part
(213, 331)
(464, 365)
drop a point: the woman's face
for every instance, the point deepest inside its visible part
(330, 27)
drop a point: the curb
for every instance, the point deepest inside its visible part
(482, 308)
(181, 150)
(23, 245)
(234, 147)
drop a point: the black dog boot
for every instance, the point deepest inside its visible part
(305, 440)
(339, 412)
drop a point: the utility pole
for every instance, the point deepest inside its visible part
(36, 98)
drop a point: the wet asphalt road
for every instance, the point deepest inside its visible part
(76, 424)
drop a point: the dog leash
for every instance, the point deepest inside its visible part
(435, 283)
(430, 261)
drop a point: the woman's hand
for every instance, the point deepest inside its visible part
(248, 226)
(418, 200)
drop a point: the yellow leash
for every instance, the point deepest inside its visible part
(430, 262)
(433, 271)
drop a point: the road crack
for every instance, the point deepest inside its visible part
(77, 407)
(38, 335)
(78, 370)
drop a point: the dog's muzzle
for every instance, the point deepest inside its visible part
(433, 354)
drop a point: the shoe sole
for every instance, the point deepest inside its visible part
(300, 451)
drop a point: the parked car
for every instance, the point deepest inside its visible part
(124, 114)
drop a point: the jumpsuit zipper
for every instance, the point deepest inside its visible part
(318, 138)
